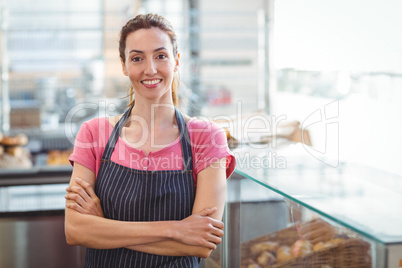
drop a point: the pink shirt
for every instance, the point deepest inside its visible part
(208, 144)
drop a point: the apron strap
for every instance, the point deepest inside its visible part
(184, 138)
(107, 154)
(184, 141)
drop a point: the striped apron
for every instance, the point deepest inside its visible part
(139, 195)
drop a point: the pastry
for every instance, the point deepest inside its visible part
(56, 157)
(300, 248)
(283, 254)
(22, 139)
(16, 151)
(9, 141)
(256, 249)
(1, 150)
(336, 241)
(253, 265)
(318, 246)
(8, 161)
(266, 258)
(249, 263)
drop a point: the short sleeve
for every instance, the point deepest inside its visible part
(209, 144)
(84, 148)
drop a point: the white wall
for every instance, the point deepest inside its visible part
(355, 37)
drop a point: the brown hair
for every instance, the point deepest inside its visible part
(146, 22)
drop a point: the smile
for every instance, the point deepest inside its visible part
(151, 82)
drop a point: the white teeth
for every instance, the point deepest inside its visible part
(151, 82)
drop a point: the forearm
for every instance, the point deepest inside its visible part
(172, 248)
(97, 232)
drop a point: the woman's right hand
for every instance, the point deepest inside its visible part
(200, 229)
(83, 199)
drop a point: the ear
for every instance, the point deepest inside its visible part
(123, 67)
(177, 62)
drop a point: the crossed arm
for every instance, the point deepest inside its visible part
(196, 235)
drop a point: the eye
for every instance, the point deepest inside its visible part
(161, 57)
(135, 59)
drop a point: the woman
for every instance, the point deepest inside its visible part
(148, 187)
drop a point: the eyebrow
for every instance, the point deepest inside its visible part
(139, 51)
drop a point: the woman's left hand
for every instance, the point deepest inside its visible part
(82, 198)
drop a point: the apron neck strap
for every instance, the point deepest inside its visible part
(184, 138)
(184, 141)
(107, 154)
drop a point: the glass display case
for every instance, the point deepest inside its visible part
(278, 196)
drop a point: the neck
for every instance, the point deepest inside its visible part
(154, 115)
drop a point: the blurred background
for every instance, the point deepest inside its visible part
(329, 68)
(60, 66)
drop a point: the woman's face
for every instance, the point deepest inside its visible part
(150, 64)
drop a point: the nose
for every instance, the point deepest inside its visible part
(150, 68)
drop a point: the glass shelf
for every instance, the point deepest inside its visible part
(361, 199)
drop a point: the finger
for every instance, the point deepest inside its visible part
(214, 239)
(87, 187)
(84, 185)
(76, 198)
(73, 189)
(217, 232)
(76, 207)
(81, 192)
(208, 211)
(217, 224)
(211, 245)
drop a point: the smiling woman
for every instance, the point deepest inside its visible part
(134, 50)
(150, 64)
(149, 190)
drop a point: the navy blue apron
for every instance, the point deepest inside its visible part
(140, 195)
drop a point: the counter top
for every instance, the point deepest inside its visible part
(27, 200)
(363, 199)
(36, 175)
(38, 191)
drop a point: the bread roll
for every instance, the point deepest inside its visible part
(9, 141)
(318, 246)
(16, 151)
(283, 254)
(265, 259)
(8, 161)
(300, 248)
(253, 265)
(258, 248)
(336, 241)
(249, 263)
(56, 157)
(22, 139)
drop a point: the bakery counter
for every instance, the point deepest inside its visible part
(32, 200)
(36, 175)
(278, 195)
(32, 228)
(34, 191)
(32, 219)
